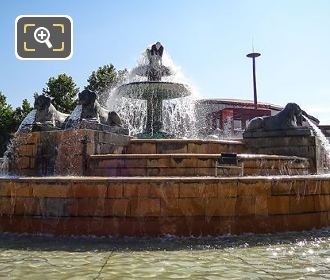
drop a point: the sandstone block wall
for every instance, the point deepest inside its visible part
(61, 152)
(192, 165)
(174, 146)
(153, 207)
(301, 146)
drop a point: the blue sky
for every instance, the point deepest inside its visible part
(208, 39)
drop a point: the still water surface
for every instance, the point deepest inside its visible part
(278, 256)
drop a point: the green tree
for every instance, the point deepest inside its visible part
(10, 120)
(63, 92)
(21, 112)
(6, 122)
(104, 79)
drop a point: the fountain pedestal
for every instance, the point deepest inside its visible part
(154, 114)
(291, 142)
(63, 152)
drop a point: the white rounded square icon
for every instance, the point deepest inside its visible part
(43, 37)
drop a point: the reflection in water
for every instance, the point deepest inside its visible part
(281, 256)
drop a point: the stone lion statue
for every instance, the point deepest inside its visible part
(47, 117)
(292, 116)
(91, 109)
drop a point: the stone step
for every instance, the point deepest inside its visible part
(175, 146)
(192, 165)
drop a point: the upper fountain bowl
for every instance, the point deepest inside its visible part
(153, 89)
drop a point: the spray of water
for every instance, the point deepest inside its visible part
(28, 121)
(178, 114)
(324, 142)
(133, 112)
(25, 126)
(179, 117)
(74, 116)
(4, 165)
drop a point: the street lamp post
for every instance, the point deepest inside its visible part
(253, 56)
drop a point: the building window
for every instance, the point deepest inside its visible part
(237, 124)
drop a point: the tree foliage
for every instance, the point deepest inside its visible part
(63, 91)
(21, 112)
(104, 79)
(10, 120)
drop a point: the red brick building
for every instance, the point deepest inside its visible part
(232, 114)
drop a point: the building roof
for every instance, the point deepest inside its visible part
(247, 103)
(239, 102)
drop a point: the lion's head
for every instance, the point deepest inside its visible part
(87, 97)
(42, 102)
(295, 113)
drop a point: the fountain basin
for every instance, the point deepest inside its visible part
(159, 206)
(155, 205)
(153, 89)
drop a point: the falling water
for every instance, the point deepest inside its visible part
(4, 167)
(25, 126)
(133, 112)
(323, 140)
(74, 116)
(9, 153)
(179, 117)
(178, 114)
(28, 121)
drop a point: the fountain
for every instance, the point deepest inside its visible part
(83, 174)
(154, 91)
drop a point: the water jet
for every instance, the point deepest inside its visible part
(154, 91)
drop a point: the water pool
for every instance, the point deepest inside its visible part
(278, 256)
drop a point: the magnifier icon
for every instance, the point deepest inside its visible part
(41, 35)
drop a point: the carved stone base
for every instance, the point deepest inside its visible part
(292, 142)
(155, 135)
(84, 124)
(63, 152)
(299, 131)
